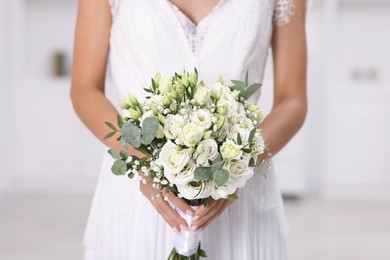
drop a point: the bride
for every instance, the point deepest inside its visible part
(218, 37)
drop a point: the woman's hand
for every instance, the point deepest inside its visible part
(204, 216)
(156, 197)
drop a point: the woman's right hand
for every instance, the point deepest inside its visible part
(163, 207)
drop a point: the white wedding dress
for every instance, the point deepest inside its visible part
(148, 36)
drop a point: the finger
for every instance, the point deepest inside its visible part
(218, 213)
(202, 210)
(199, 222)
(170, 215)
(180, 203)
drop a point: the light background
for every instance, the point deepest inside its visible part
(337, 165)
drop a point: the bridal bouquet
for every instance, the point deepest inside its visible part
(200, 142)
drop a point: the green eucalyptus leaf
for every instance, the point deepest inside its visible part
(119, 167)
(123, 155)
(149, 90)
(216, 165)
(131, 175)
(251, 135)
(239, 88)
(239, 83)
(239, 140)
(114, 153)
(149, 130)
(119, 121)
(220, 176)
(131, 134)
(109, 134)
(119, 138)
(110, 125)
(251, 162)
(246, 77)
(203, 174)
(124, 145)
(247, 150)
(232, 196)
(251, 90)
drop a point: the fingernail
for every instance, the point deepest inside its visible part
(194, 228)
(195, 218)
(182, 227)
(176, 231)
(189, 212)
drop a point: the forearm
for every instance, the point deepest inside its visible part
(284, 121)
(93, 108)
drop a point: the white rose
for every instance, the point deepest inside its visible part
(240, 172)
(244, 133)
(202, 95)
(172, 159)
(223, 191)
(202, 118)
(183, 177)
(231, 151)
(210, 152)
(191, 190)
(164, 85)
(173, 126)
(191, 134)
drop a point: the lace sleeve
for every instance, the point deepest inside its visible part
(283, 11)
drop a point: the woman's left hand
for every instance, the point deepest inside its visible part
(204, 216)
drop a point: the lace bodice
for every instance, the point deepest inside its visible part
(148, 36)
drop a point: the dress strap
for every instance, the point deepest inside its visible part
(114, 4)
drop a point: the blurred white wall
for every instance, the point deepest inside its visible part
(341, 150)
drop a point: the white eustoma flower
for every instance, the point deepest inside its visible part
(210, 152)
(202, 95)
(184, 176)
(244, 133)
(231, 151)
(239, 172)
(258, 146)
(202, 118)
(173, 159)
(191, 134)
(228, 101)
(223, 191)
(191, 190)
(173, 126)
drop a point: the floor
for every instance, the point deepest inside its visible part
(50, 226)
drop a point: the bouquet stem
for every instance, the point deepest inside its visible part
(174, 255)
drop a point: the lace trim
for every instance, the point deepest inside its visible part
(195, 32)
(284, 10)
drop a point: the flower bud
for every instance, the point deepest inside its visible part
(131, 100)
(219, 93)
(124, 105)
(200, 148)
(207, 134)
(134, 114)
(252, 108)
(259, 116)
(184, 80)
(193, 78)
(154, 109)
(160, 131)
(221, 121)
(235, 93)
(166, 100)
(191, 150)
(161, 119)
(156, 79)
(220, 80)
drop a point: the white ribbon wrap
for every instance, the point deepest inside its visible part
(186, 242)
